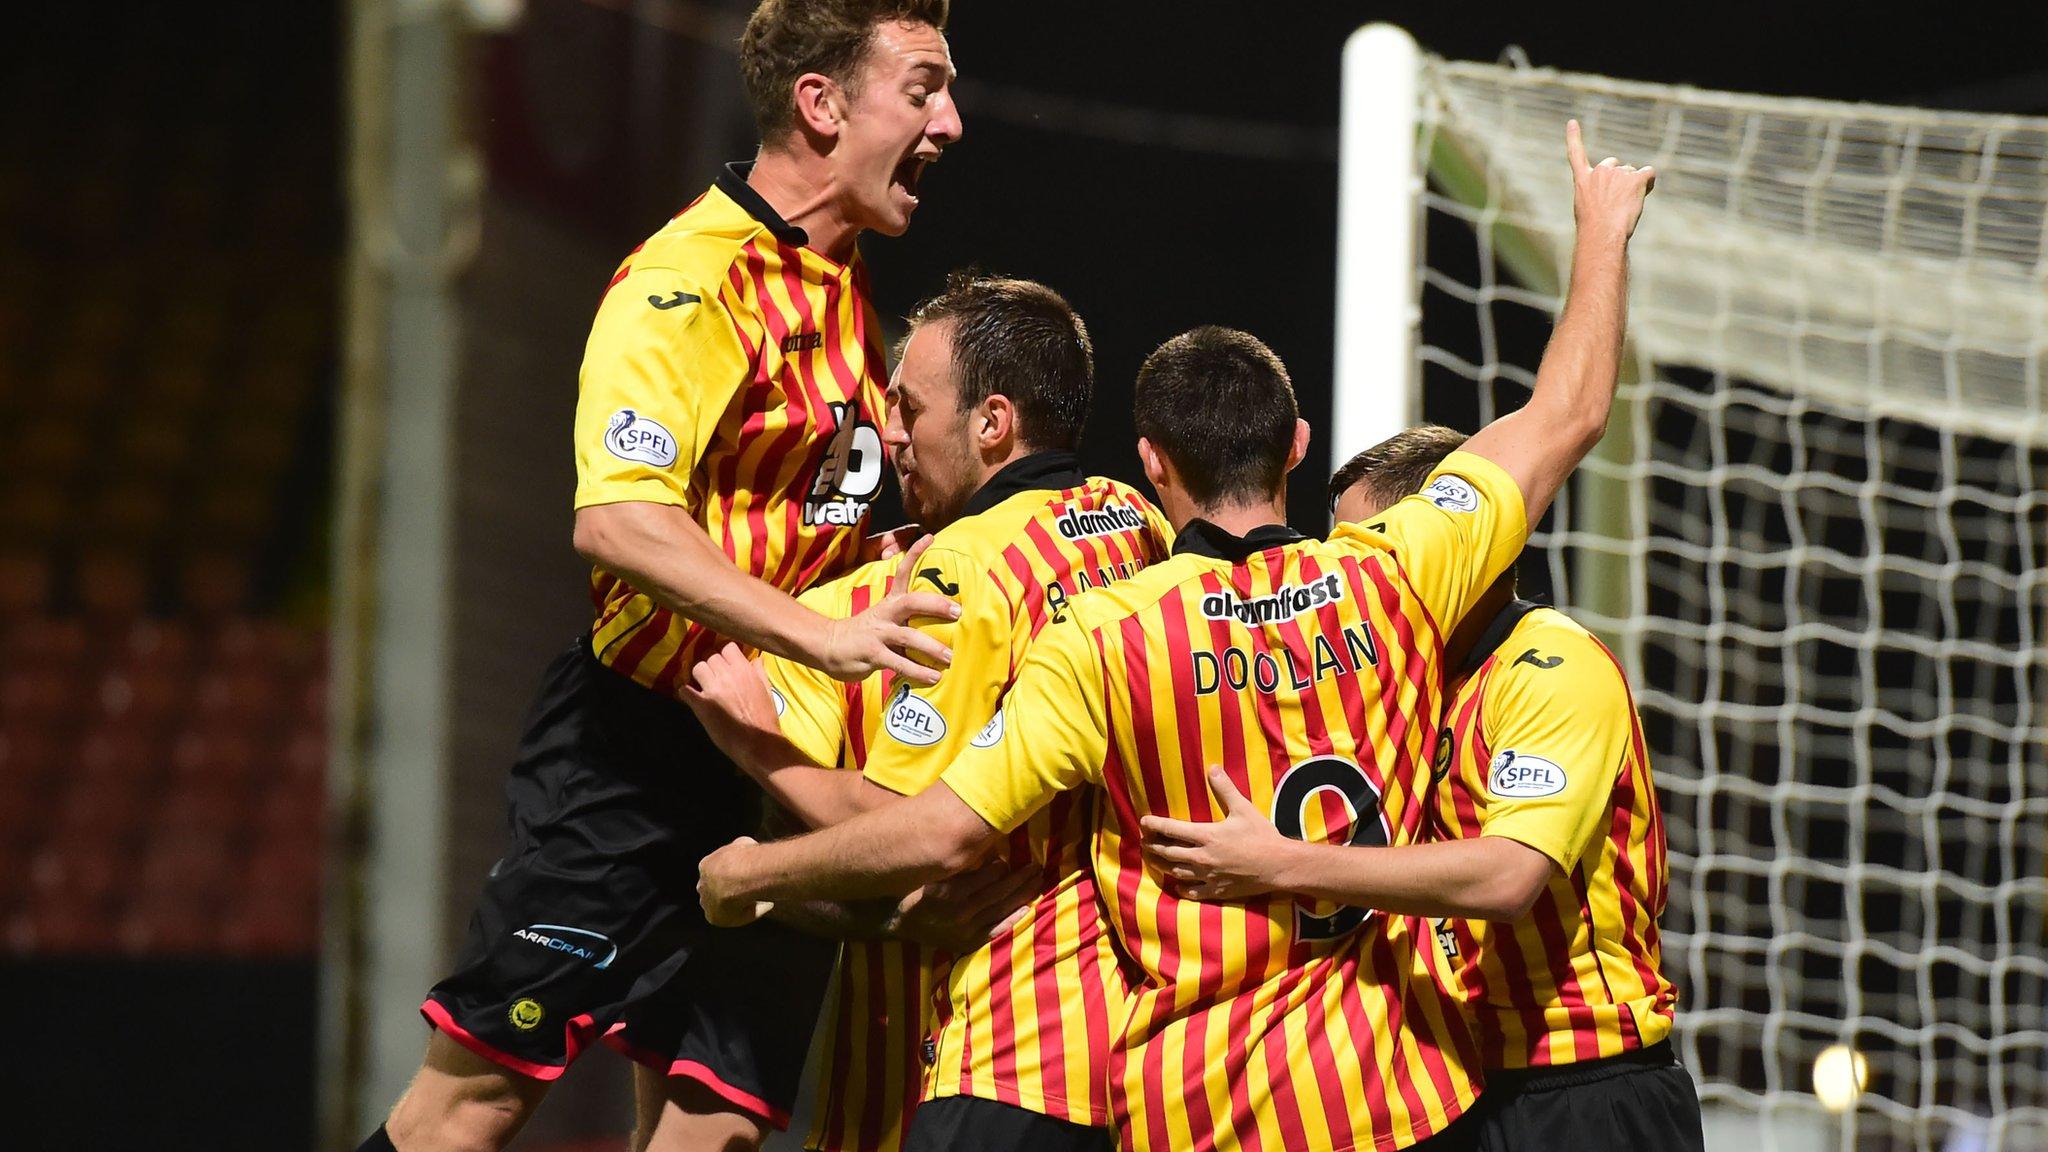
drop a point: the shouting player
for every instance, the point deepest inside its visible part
(726, 454)
(1301, 664)
(1549, 890)
(984, 415)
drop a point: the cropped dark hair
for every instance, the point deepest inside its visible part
(1217, 402)
(787, 38)
(1020, 339)
(1397, 466)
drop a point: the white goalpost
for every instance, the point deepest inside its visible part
(1815, 533)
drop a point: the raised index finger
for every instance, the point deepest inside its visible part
(1575, 147)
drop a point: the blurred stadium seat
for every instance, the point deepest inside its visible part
(160, 792)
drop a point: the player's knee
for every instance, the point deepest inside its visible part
(688, 1117)
(461, 1102)
(484, 1122)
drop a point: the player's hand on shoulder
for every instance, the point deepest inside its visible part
(1228, 859)
(961, 913)
(1607, 198)
(882, 637)
(716, 876)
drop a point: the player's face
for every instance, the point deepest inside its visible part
(902, 119)
(1356, 505)
(930, 446)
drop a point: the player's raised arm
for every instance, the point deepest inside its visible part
(1539, 445)
(986, 793)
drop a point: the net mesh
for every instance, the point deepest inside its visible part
(1815, 535)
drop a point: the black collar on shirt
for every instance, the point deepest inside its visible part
(1201, 538)
(1052, 470)
(1496, 633)
(733, 182)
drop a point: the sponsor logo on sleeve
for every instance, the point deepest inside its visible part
(1452, 494)
(641, 439)
(991, 733)
(1516, 776)
(781, 701)
(914, 721)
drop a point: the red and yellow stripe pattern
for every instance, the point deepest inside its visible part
(779, 452)
(1581, 976)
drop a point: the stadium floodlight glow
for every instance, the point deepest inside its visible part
(1840, 1074)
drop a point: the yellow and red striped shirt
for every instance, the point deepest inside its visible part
(736, 373)
(1300, 665)
(868, 1068)
(1027, 1019)
(1545, 748)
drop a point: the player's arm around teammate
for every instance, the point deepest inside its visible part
(1244, 855)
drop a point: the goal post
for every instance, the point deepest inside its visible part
(1816, 534)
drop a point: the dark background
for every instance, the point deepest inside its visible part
(1147, 239)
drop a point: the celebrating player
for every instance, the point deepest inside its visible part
(1550, 887)
(726, 455)
(984, 415)
(1300, 663)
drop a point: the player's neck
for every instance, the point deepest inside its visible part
(803, 190)
(1238, 519)
(1473, 626)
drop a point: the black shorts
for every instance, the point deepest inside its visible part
(589, 928)
(954, 1122)
(1637, 1100)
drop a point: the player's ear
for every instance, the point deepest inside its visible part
(1298, 451)
(1154, 464)
(820, 105)
(995, 423)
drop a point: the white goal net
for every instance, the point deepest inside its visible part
(1817, 536)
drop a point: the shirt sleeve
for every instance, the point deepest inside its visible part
(663, 362)
(1454, 538)
(926, 728)
(1054, 735)
(1561, 724)
(812, 707)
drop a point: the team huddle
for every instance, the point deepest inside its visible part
(1131, 823)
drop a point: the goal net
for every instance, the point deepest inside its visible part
(1816, 535)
